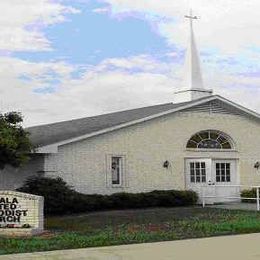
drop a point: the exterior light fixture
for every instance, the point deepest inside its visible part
(166, 164)
(257, 165)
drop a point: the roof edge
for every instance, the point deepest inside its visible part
(53, 148)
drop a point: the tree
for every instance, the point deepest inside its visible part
(15, 145)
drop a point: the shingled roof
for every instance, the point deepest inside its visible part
(73, 130)
(52, 133)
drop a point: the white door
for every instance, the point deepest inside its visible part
(198, 174)
(214, 178)
(226, 180)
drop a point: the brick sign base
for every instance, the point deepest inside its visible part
(21, 214)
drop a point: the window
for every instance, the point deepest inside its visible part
(197, 172)
(116, 170)
(223, 172)
(210, 139)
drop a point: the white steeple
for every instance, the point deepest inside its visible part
(193, 84)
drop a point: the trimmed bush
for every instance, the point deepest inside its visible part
(248, 194)
(59, 198)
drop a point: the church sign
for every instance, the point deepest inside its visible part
(20, 213)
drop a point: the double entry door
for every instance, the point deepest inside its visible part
(213, 178)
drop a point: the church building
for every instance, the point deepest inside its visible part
(199, 140)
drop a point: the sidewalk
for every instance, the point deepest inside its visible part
(241, 247)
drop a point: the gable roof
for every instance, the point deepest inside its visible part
(48, 137)
(51, 133)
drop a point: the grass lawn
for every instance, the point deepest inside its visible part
(134, 226)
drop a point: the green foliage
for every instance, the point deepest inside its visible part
(58, 196)
(249, 194)
(138, 226)
(169, 198)
(15, 145)
(62, 199)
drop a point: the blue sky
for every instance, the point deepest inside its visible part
(62, 59)
(91, 37)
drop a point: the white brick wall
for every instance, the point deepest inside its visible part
(13, 178)
(146, 146)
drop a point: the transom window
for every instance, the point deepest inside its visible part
(210, 139)
(197, 172)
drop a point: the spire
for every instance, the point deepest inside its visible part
(193, 78)
(193, 84)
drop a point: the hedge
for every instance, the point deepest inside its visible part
(62, 199)
(248, 194)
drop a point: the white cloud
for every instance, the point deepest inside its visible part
(125, 83)
(225, 24)
(145, 63)
(103, 89)
(19, 80)
(99, 90)
(21, 23)
(100, 10)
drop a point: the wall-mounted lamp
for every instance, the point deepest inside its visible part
(257, 165)
(166, 164)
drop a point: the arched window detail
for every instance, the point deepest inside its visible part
(210, 139)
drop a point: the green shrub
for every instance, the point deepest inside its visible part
(60, 198)
(248, 194)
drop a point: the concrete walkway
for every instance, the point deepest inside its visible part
(241, 247)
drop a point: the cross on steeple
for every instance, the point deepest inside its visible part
(191, 17)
